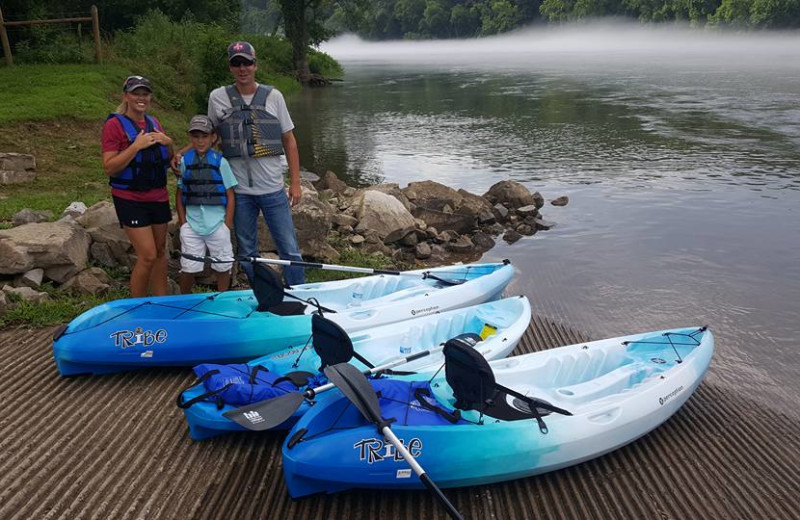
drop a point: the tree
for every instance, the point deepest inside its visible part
(303, 26)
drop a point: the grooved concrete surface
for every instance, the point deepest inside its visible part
(117, 447)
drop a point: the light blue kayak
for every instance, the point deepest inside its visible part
(616, 390)
(228, 327)
(501, 323)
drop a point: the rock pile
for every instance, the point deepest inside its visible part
(423, 222)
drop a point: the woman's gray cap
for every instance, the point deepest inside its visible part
(201, 124)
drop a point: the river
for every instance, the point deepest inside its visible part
(679, 151)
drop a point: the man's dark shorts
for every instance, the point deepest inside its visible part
(135, 214)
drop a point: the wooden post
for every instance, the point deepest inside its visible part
(98, 53)
(6, 45)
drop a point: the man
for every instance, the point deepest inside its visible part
(255, 130)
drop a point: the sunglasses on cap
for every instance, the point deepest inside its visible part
(238, 62)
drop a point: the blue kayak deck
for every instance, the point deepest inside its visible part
(117, 447)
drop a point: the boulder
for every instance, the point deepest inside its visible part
(500, 212)
(543, 224)
(529, 210)
(383, 214)
(393, 190)
(74, 210)
(433, 195)
(29, 216)
(92, 281)
(483, 241)
(422, 251)
(110, 244)
(462, 244)
(472, 204)
(560, 201)
(511, 236)
(330, 181)
(442, 220)
(27, 294)
(32, 279)
(342, 220)
(17, 168)
(538, 200)
(510, 193)
(56, 247)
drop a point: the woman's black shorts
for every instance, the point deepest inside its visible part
(135, 214)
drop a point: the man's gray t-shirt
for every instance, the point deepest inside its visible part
(262, 175)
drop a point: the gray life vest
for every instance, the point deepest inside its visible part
(249, 130)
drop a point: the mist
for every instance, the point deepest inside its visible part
(593, 43)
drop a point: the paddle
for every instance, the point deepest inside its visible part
(358, 391)
(314, 265)
(267, 414)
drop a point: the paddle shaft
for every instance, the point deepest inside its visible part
(295, 263)
(392, 364)
(391, 437)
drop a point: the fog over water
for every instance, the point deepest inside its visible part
(679, 149)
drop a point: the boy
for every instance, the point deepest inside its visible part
(205, 203)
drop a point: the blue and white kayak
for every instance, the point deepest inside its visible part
(187, 330)
(616, 390)
(500, 324)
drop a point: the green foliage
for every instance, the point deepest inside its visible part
(355, 258)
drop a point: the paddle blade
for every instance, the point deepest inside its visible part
(267, 414)
(355, 386)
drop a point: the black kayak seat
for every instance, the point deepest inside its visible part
(269, 292)
(332, 343)
(474, 387)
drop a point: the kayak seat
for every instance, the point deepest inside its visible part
(332, 343)
(474, 387)
(288, 309)
(269, 292)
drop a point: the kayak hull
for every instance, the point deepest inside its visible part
(614, 399)
(380, 345)
(187, 330)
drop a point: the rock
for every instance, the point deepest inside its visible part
(74, 210)
(538, 200)
(442, 220)
(446, 236)
(101, 253)
(349, 192)
(383, 214)
(544, 224)
(29, 216)
(495, 229)
(511, 192)
(342, 220)
(45, 245)
(17, 161)
(324, 251)
(422, 251)
(410, 240)
(346, 230)
(32, 279)
(3, 303)
(421, 224)
(356, 240)
(511, 236)
(93, 281)
(462, 244)
(500, 212)
(525, 211)
(525, 229)
(393, 190)
(431, 232)
(17, 168)
(483, 241)
(27, 294)
(486, 218)
(331, 181)
(560, 201)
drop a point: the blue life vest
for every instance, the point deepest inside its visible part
(202, 180)
(148, 168)
(241, 384)
(249, 130)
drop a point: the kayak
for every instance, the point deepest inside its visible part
(510, 419)
(498, 325)
(237, 326)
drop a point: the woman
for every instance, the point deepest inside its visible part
(136, 154)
